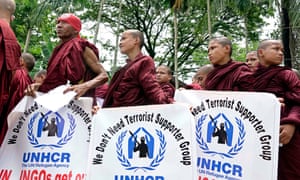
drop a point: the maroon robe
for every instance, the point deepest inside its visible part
(194, 86)
(101, 91)
(10, 52)
(233, 76)
(67, 64)
(284, 83)
(168, 89)
(19, 83)
(135, 84)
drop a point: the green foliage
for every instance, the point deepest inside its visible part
(230, 18)
(239, 53)
(35, 23)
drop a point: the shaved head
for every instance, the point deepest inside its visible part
(252, 52)
(8, 5)
(202, 73)
(137, 34)
(205, 69)
(29, 60)
(265, 43)
(224, 41)
(270, 52)
(169, 71)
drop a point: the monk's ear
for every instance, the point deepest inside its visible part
(169, 77)
(137, 41)
(227, 48)
(260, 52)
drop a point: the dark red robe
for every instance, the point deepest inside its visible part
(10, 52)
(194, 86)
(233, 76)
(19, 83)
(101, 91)
(284, 83)
(135, 84)
(67, 64)
(168, 89)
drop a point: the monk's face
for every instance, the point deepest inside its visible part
(39, 79)
(200, 78)
(162, 74)
(65, 30)
(272, 54)
(252, 60)
(128, 43)
(217, 53)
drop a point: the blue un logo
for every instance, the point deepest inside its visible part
(218, 135)
(50, 129)
(143, 145)
(140, 150)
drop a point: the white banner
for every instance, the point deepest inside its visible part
(47, 145)
(237, 134)
(143, 143)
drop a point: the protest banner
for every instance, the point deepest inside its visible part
(42, 144)
(143, 143)
(237, 134)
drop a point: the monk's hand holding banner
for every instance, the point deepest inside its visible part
(143, 142)
(237, 134)
(47, 143)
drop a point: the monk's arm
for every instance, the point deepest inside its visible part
(91, 60)
(31, 89)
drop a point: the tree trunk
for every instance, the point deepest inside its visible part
(28, 37)
(246, 34)
(208, 19)
(175, 48)
(98, 21)
(114, 64)
(285, 22)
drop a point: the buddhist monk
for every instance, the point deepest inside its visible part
(20, 81)
(195, 85)
(163, 77)
(199, 78)
(135, 83)
(227, 74)
(284, 83)
(10, 52)
(40, 76)
(252, 60)
(74, 60)
(202, 73)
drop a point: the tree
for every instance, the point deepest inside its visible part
(154, 18)
(251, 13)
(34, 24)
(295, 32)
(156, 24)
(247, 15)
(289, 15)
(176, 6)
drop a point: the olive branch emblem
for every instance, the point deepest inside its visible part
(34, 141)
(234, 150)
(154, 163)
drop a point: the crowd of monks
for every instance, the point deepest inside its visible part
(76, 61)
